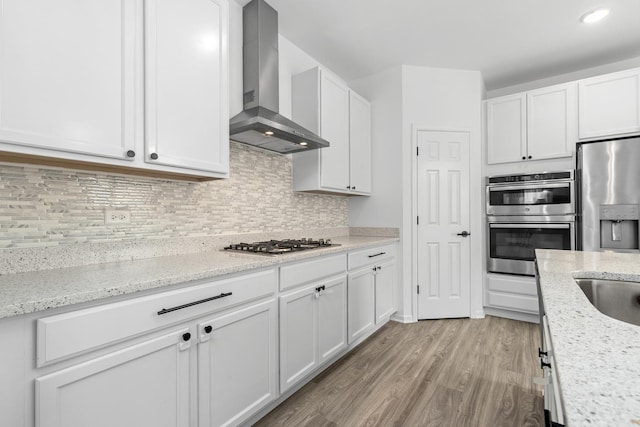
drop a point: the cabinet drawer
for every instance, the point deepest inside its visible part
(523, 303)
(512, 284)
(311, 271)
(369, 256)
(65, 335)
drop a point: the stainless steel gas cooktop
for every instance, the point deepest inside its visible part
(277, 247)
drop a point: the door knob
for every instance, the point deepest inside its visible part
(464, 234)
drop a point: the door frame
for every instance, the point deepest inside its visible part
(476, 218)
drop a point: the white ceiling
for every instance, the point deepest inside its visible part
(509, 41)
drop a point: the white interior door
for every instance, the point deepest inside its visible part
(443, 210)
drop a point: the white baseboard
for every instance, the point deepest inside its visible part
(479, 314)
(402, 318)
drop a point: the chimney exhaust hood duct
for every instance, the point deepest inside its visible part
(259, 124)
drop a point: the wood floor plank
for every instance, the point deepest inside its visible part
(453, 372)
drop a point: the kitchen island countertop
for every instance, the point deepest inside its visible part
(597, 358)
(30, 292)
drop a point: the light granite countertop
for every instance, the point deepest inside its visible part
(597, 358)
(29, 292)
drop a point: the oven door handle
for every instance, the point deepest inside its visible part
(529, 187)
(554, 226)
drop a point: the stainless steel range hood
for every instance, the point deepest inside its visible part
(259, 124)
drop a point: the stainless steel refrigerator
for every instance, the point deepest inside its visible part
(608, 174)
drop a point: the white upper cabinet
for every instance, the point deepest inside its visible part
(325, 105)
(186, 91)
(535, 125)
(128, 85)
(506, 129)
(551, 122)
(67, 76)
(359, 143)
(334, 127)
(609, 105)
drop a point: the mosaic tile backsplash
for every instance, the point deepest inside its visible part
(47, 207)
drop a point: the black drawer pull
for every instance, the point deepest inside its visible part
(381, 253)
(180, 307)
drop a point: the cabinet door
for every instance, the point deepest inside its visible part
(237, 364)
(334, 127)
(67, 76)
(359, 144)
(506, 129)
(551, 122)
(332, 318)
(385, 291)
(360, 297)
(187, 118)
(146, 384)
(609, 105)
(298, 336)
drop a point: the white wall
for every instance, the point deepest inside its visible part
(564, 78)
(444, 99)
(432, 98)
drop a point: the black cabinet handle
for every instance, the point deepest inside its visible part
(131, 153)
(524, 158)
(186, 337)
(208, 329)
(542, 353)
(348, 187)
(544, 364)
(464, 234)
(353, 188)
(180, 307)
(373, 256)
(154, 156)
(529, 156)
(320, 288)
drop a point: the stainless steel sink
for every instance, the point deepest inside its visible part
(615, 298)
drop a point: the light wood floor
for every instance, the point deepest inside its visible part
(455, 372)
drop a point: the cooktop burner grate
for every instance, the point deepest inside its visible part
(276, 247)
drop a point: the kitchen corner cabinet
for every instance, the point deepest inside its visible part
(325, 105)
(535, 125)
(313, 318)
(370, 290)
(609, 105)
(73, 78)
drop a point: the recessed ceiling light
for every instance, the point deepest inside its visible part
(268, 133)
(303, 143)
(594, 16)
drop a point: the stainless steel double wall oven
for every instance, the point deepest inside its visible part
(526, 212)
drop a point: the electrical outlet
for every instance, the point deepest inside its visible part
(116, 216)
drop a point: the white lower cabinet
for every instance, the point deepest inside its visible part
(371, 289)
(361, 303)
(146, 384)
(510, 292)
(206, 354)
(385, 291)
(237, 361)
(215, 366)
(312, 328)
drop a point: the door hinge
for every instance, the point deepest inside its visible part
(418, 289)
(417, 151)
(418, 220)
